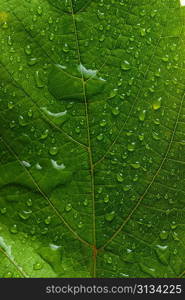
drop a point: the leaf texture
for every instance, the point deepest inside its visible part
(92, 138)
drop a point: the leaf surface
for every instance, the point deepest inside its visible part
(92, 138)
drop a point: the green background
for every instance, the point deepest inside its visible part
(92, 121)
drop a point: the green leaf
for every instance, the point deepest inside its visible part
(92, 138)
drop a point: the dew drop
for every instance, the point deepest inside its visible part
(28, 49)
(106, 199)
(68, 207)
(29, 202)
(110, 216)
(103, 123)
(24, 215)
(157, 104)
(37, 266)
(47, 221)
(14, 229)
(127, 188)
(136, 165)
(119, 177)
(3, 210)
(77, 130)
(38, 80)
(53, 150)
(85, 203)
(32, 61)
(125, 65)
(100, 137)
(131, 147)
(115, 111)
(142, 115)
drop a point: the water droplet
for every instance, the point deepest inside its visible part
(80, 225)
(124, 155)
(141, 137)
(37, 266)
(9, 40)
(28, 50)
(30, 113)
(131, 147)
(24, 215)
(173, 225)
(103, 123)
(113, 93)
(85, 203)
(53, 150)
(136, 165)
(119, 177)
(157, 104)
(143, 31)
(109, 260)
(14, 229)
(51, 37)
(68, 207)
(110, 216)
(165, 58)
(29, 202)
(115, 111)
(65, 48)
(32, 61)
(155, 136)
(125, 66)
(3, 210)
(50, 20)
(10, 105)
(38, 79)
(22, 121)
(147, 270)
(106, 199)
(39, 10)
(61, 79)
(142, 115)
(8, 275)
(127, 188)
(163, 254)
(100, 137)
(44, 134)
(5, 25)
(47, 221)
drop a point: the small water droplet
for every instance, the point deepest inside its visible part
(136, 165)
(38, 79)
(22, 121)
(103, 123)
(142, 115)
(29, 202)
(100, 137)
(106, 199)
(24, 215)
(157, 104)
(28, 49)
(47, 221)
(32, 61)
(13, 229)
(3, 210)
(125, 66)
(53, 150)
(115, 111)
(110, 216)
(119, 177)
(131, 147)
(39, 10)
(68, 207)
